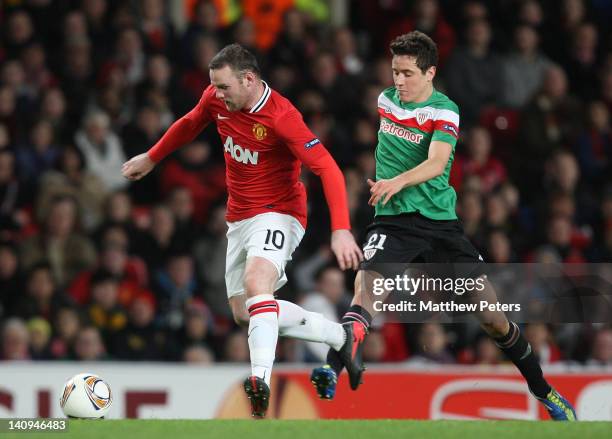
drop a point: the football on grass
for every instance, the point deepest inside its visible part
(86, 396)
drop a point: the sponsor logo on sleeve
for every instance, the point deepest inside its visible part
(312, 143)
(451, 129)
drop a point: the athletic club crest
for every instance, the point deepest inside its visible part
(368, 253)
(423, 115)
(259, 131)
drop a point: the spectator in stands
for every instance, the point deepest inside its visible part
(175, 285)
(129, 271)
(567, 19)
(471, 213)
(195, 79)
(581, 63)
(158, 32)
(59, 242)
(563, 175)
(53, 110)
(426, 17)
(236, 347)
(77, 77)
(197, 330)
(13, 196)
(499, 248)
(144, 132)
(329, 299)
(141, 340)
(181, 204)
(374, 347)
(205, 23)
(157, 243)
(345, 50)
(12, 75)
(9, 116)
(66, 326)
(104, 310)
(160, 80)
(474, 76)
(485, 352)
(548, 122)
(89, 346)
(194, 170)
(102, 150)
(432, 343)
(480, 163)
(601, 351)
(10, 280)
(559, 236)
(594, 146)
(4, 138)
(39, 331)
(539, 337)
(20, 33)
(70, 178)
(41, 297)
(209, 253)
(198, 354)
(606, 87)
(40, 154)
(524, 68)
(37, 75)
(15, 340)
(294, 44)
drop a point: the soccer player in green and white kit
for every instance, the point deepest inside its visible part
(415, 213)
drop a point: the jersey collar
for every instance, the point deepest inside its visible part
(263, 99)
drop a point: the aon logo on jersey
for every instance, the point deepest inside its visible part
(240, 153)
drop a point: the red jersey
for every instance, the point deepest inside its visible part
(264, 148)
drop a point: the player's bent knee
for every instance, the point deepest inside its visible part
(260, 277)
(241, 319)
(239, 312)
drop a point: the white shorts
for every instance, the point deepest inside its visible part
(272, 236)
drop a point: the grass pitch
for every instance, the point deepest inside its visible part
(321, 429)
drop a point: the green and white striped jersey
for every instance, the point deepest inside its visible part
(406, 131)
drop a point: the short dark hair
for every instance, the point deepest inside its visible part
(239, 59)
(419, 45)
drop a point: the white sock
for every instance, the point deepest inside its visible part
(263, 334)
(295, 322)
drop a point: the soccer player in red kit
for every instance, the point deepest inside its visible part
(265, 142)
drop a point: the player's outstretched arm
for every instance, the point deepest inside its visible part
(345, 248)
(137, 167)
(433, 166)
(182, 131)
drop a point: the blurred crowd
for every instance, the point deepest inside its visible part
(93, 267)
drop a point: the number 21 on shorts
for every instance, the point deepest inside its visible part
(375, 242)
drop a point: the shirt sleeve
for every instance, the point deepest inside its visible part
(292, 130)
(185, 129)
(446, 125)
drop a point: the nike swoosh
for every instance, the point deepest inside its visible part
(221, 117)
(271, 249)
(527, 352)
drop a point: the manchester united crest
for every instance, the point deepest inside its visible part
(259, 131)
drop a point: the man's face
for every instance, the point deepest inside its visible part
(409, 80)
(231, 89)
